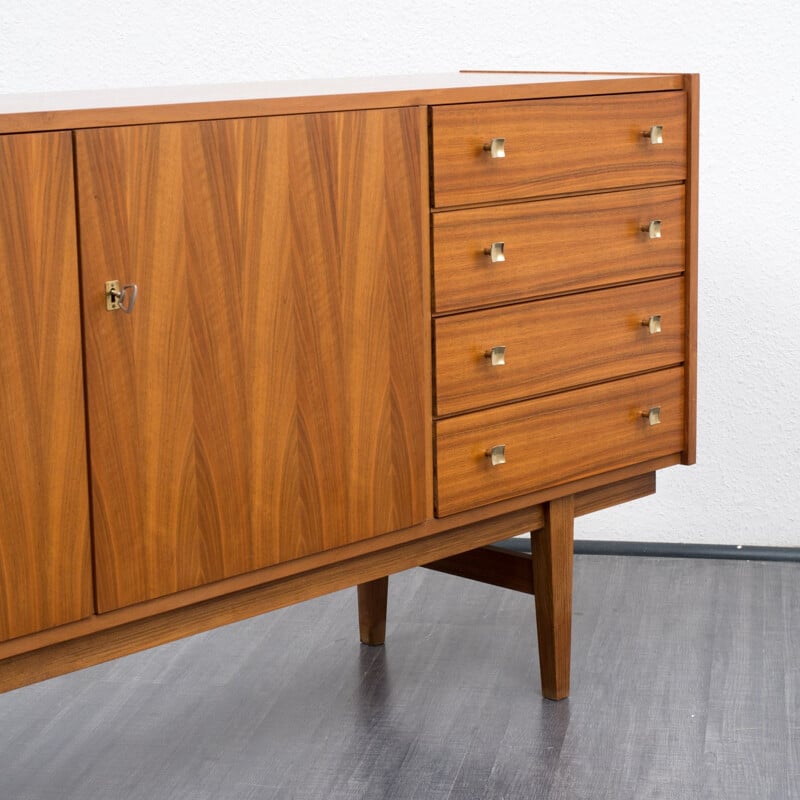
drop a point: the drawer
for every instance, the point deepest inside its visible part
(556, 146)
(556, 344)
(556, 439)
(558, 245)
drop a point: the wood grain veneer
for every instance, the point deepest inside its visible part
(260, 385)
(45, 577)
(598, 235)
(557, 438)
(556, 146)
(556, 344)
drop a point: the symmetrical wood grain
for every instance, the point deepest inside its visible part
(556, 344)
(557, 438)
(598, 235)
(44, 506)
(556, 146)
(266, 398)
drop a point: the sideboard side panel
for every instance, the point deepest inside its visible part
(693, 88)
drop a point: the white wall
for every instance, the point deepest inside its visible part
(744, 489)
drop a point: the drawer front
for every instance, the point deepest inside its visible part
(556, 146)
(556, 439)
(557, 344)
(599, 237)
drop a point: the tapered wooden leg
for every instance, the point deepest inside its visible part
(551, 549)
(372, 610)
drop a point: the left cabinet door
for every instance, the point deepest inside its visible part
(45, 572)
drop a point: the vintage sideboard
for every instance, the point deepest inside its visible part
(263, 342)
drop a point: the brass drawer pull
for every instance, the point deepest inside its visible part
(496, 251)
(653, 415)
(653, 229)
(497, 454)
(497, 355)
(655, 134)
(497, 148)
(653, 324)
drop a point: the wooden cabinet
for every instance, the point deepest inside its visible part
(366, 326)
(45, 577)
(633, 147)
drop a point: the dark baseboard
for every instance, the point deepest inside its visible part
(679, 550)
(670, 550)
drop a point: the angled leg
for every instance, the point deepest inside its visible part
(372, 610)
(552, 549)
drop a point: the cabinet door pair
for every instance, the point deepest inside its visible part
(265, 397)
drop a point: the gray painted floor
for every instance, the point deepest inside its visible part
(686, 684)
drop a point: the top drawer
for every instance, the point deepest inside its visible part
(556, 146)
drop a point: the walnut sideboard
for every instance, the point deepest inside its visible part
(263, 342)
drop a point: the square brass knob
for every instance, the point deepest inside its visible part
(653, 415)
(655, 134)
(496, 148)
(497, 355)
(653, 229)
(496, 454)
(496, 251)
(653, 324)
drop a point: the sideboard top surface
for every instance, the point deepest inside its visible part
(108, 107)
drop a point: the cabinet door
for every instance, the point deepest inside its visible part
(265, 398)
(45, 575)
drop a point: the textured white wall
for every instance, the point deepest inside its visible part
(744, 489)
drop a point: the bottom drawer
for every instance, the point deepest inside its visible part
(556, 439)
